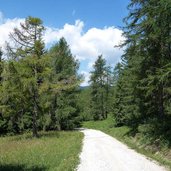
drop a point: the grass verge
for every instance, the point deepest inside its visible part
(122, 134)
(53, 151)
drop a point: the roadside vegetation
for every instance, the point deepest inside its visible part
(137, 142)
(53, 151)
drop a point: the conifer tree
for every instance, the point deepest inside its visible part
(38, 88)
(64, 101)
(99, 89)
(29, 50)
(2, 120)
(147, 64)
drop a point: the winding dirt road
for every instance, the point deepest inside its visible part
(102, 152)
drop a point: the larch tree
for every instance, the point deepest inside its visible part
(29, 50)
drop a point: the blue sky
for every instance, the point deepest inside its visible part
(91, 27)
(56, 13)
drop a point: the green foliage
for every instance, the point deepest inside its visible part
(100, 85)
(64, 102)
(85, 103)
(38, 88)
(142, 87)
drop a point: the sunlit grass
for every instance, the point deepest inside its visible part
(56, 151)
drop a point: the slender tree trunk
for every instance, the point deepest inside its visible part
(102, 100)
(52, 114)
(35, 111)
(161, 102)
(57, 118)
(54, 118)
(107, 96)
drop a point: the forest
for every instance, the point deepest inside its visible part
(40, 88)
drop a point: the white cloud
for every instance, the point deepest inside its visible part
(86, 75)
(86, 46)
(72, 33)
(90, 65)
(90, 44)
(7, 27)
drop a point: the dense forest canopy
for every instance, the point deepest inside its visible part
(142, 98)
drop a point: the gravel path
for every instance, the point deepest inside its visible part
(102, 152)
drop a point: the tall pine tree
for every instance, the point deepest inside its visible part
(99, 83)
(64, 101)
(146, 94)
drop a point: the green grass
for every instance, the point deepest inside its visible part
(122, 134)
(53, 151)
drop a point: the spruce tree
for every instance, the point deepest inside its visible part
(64, 101)
(118, 95)
(147, 61)
(99, 83)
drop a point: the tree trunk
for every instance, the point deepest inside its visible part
(161, 101)
(35, 133)
(102, 100)
(35, 111)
